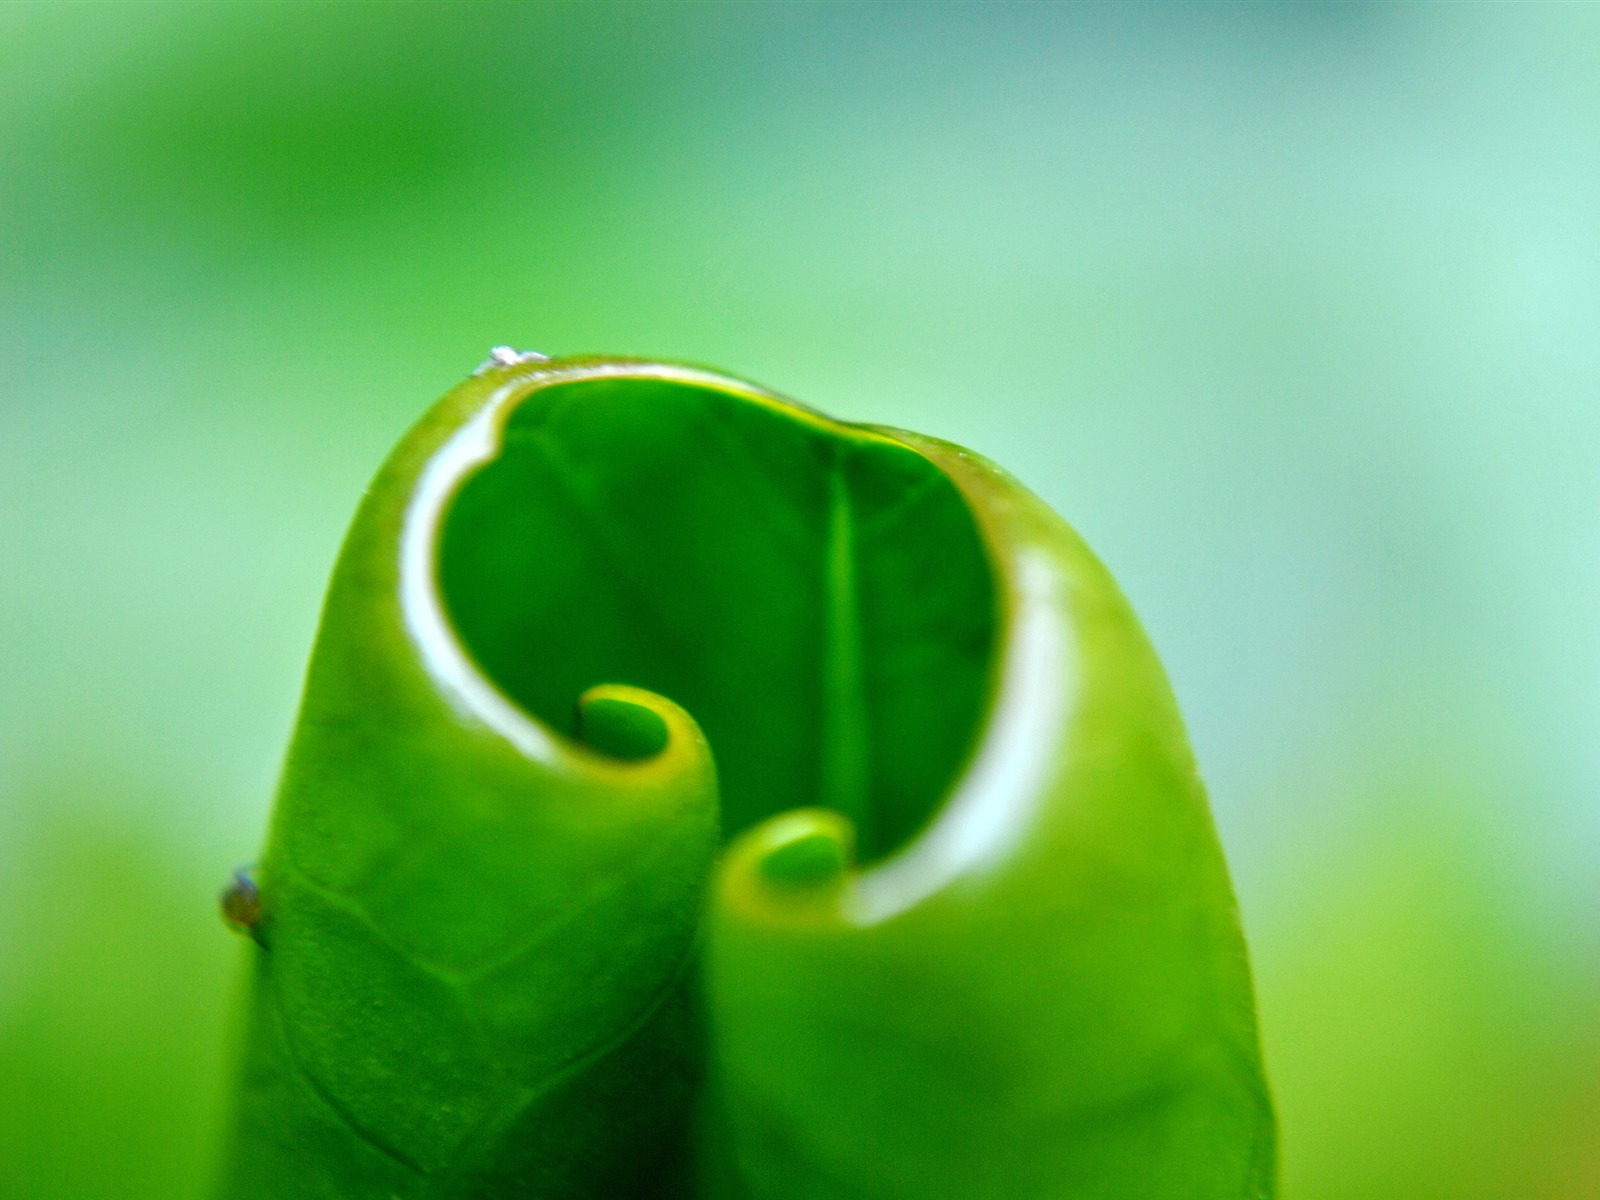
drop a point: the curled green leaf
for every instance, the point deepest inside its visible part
(695, 796)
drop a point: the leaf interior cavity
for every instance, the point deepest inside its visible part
(816, 595)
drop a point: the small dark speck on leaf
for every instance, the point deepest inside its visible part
(241, 904)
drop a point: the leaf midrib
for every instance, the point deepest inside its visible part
(845, 728)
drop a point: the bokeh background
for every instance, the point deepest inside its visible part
(1293, 309)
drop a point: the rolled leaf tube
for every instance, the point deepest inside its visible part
(694, 796)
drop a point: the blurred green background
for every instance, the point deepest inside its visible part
(1294, 310)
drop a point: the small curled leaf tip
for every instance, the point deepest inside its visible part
(814, 860)
(806, 851)
(508, 356)
(241, 904)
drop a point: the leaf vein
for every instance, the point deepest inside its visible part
(321, 1092)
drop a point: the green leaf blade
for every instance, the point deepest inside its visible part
(438, 906)
(973, 935)
(1065, 1015)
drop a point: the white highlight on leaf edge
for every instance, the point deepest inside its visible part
(991, 807)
